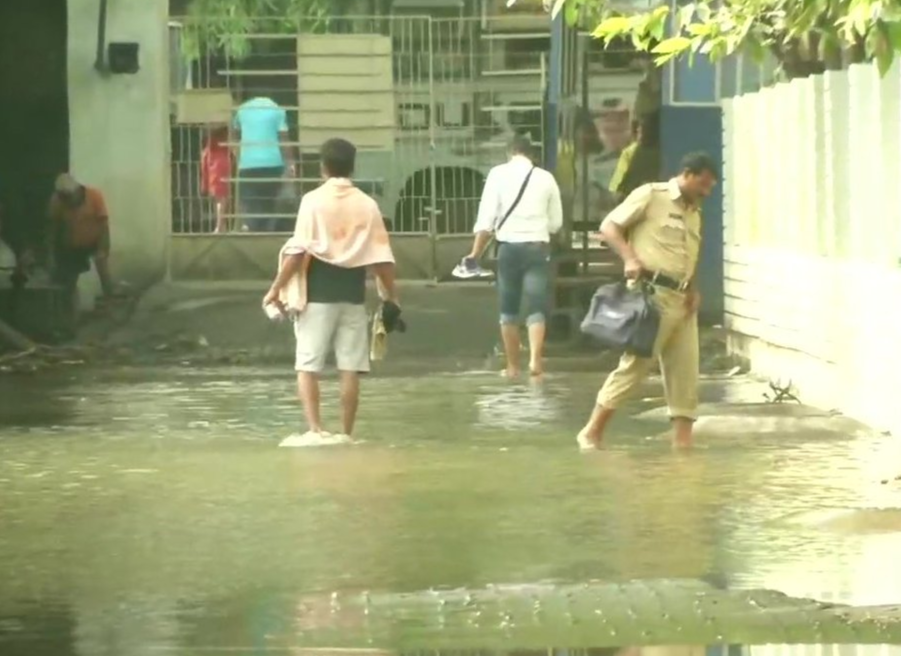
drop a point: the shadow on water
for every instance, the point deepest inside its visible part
(48, 401)
(157, 510)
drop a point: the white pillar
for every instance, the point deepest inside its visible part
(119, 130)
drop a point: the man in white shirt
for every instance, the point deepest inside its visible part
(521, 206)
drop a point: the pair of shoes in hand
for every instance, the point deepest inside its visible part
(391, 318)
(470, 268)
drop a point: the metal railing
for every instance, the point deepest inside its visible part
(459, 89)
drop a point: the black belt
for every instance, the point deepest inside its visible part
(663, 280)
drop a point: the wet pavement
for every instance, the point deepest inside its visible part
(148, 511)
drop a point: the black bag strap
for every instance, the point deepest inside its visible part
(522, 190)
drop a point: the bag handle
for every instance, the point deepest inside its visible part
(522, 190)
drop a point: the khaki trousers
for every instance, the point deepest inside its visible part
(678, 352)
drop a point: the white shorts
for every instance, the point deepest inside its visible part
(322, 327)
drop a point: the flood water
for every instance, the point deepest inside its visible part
(151, 512)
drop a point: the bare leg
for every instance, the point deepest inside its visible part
(537, 331)
(617, 388)
(221, 223)
(510, 337)
(70, 303)
(591, 436)
(350, 400)
(682, 432)
(679, 363)
(308, 391)
(101, 263)
(536, 286)
(106, 281)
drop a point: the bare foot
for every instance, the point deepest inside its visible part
(682, 445)
(588, 441)
(536, 370)
(510, 373)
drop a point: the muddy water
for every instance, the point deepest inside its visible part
(145, 512)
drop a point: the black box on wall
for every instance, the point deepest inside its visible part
(122, 58)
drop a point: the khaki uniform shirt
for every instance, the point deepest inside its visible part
(662, 228)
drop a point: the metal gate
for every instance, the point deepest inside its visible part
(430, 104)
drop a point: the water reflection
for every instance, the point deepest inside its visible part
(90, 637)
(520, 407)
(25, 400)
(158, 509)
(658, 650)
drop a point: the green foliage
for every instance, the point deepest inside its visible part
(805, 30)
(223, 25)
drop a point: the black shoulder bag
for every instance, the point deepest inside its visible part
(500, 224)
(623, 318)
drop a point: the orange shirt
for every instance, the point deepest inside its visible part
(85, 223)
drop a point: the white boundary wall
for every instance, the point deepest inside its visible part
(812, 181)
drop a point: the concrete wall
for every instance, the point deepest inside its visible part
(813, 238)
(683, 130)
(119, 130)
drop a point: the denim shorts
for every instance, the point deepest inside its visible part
(523, 278)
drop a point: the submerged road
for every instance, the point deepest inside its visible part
(149, 511)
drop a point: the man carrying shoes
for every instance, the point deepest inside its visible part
(657, 232)
(340, 236)
(521, 207)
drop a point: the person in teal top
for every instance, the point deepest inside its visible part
(263, 160)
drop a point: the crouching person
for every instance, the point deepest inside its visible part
(79, 233)
(339, 236)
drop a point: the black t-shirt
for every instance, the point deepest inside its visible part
(327, 283)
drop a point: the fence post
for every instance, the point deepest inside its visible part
(555, 74)
(890, 110)
(806, 149)
(837, 143)
(864, 173)
(821, 188)
(729, 182)
(433, 184)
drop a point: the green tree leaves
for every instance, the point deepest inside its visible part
(224, 25)
(806, 36)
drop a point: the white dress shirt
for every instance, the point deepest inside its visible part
(539, 213)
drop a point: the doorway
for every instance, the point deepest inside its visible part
(34, 115)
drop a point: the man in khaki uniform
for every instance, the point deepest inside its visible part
(657, 232)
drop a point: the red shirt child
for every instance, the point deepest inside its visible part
(216, 165)
(215, 171)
